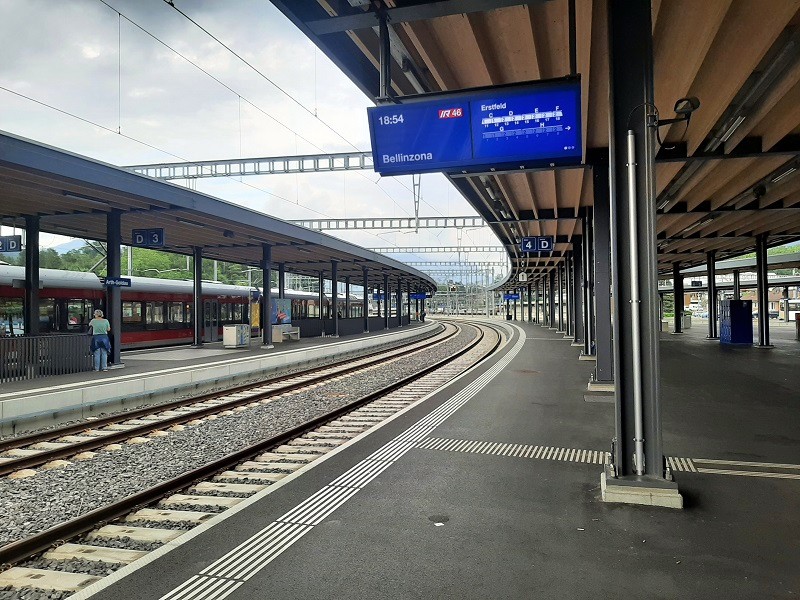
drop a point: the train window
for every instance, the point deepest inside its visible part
(175, 313)
(11, 320)
(154, 313)
(237, 312)
(47, 316)
(131, 312)
(78, 314)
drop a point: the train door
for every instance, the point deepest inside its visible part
(210, 321)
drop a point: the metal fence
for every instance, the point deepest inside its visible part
(31, 357)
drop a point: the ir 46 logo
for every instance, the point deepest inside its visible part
(451, 113)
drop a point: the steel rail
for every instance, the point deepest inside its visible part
(25, 548)
(99, 441)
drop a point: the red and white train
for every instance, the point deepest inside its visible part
(155, 312)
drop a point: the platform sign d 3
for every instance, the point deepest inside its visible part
(510, 296)
(11, 243)
(147, 238)
(540, 243)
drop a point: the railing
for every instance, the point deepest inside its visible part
(31, 357)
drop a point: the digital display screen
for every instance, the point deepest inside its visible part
(508, 128)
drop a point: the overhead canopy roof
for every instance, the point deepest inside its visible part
(777, 261)
(721, 184)
(73, 194)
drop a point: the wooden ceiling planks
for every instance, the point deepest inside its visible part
(735, 52)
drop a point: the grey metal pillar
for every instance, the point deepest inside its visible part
(638, 448)
(508, 308)
(588, 283)
(31, 313)
(604, 350)
(551, 299)
(560, 277)
(347, 297)
(536, 301)
(568, 294)
(763, 291)
(577, 293)
(515, 306)
(408, 301)
(197, 297)
(387, 300)
(712, 295)
(677, 290)
(737, 289)
(530, 303)
(399, 303)
(114, 269)
(321, 300)
(365, 299)
(785, 303)
(281, 280)
(335, 296)
(266, 278)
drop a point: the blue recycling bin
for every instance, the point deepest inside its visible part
(736, 322)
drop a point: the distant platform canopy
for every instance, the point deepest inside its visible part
(72, 195)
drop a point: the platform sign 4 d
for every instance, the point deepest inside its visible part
(540, 243)
(147, 238)
(11, 243)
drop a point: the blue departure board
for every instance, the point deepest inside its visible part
(517, 127)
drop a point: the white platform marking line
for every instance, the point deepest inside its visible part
(315, 514)
(301, 509)
(741, 463)
(178, 591)
(246, 554)
(749, 473)
(244, 568)
(263, 538)
(463, 444)
(691, 465)
(258, 566)
(359, 480)
(217, 589)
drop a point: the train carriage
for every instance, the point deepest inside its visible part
(155, 312)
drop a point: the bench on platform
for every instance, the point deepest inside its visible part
(291, 333)
(285, 332)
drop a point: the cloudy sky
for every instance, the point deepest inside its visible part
(132, 99)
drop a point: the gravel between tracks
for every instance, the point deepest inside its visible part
(31, 505)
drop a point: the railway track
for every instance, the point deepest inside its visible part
(20, 454)
(157, 515)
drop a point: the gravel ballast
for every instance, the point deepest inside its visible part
(31, 505)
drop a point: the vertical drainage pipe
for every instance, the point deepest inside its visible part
(638, 439)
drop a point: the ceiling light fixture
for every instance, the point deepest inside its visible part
(733, 127)
(786, 173)
(188, 222)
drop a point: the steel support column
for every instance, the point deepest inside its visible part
(763, 291)
(737, 289)
(712, 294)
(604, 350)
(321, 300)
(114, 269)
(387, 300)
(408, 300)
(335, 296)
(347, 297)
(536, 301)
(677, 290)
(31, 312)
(530, 302)
(568, 288)
(638, 448)
(560, 277)
(588, 283)
(365, 298)
(197, 296)
(551, 299)
(577, 293)
(266, 278)
(399, 303)
(281, 280)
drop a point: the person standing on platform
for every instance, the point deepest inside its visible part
(101, 345)
(422, 315)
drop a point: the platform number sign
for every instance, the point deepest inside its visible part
(11, 243)
(540, 243)
(147, 238)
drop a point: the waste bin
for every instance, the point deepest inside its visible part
(236, 336)
(508, 317)
(687, 320)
